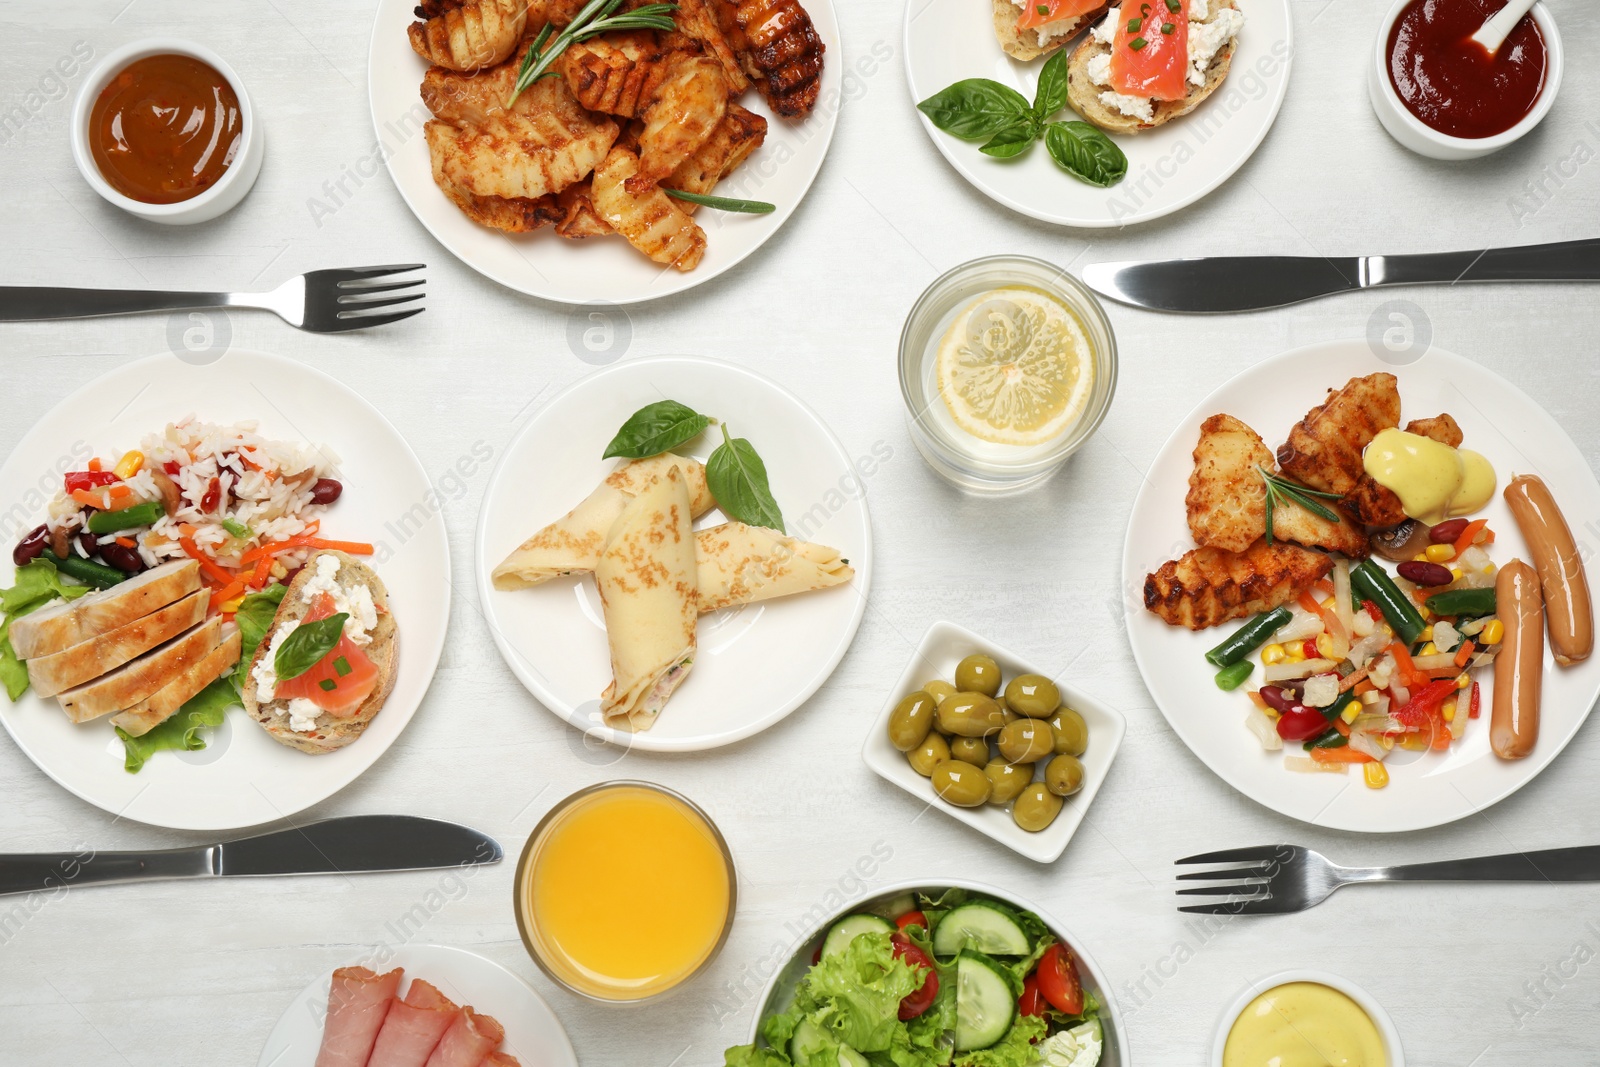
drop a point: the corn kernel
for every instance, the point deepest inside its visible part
(1413, 743)
(1462, 681)
(1325, 645)
(1448, 712)
(1424, 612)
(1349, 714)
(1488, 568)
(1492, 633)
(1272, 654)
(1377, 777)
(1429, 649)
(1455, 574)
(1295, 654)
(1420, 557)
(1427, 634)
(129, 465)
(1327, 604)
(229, 607)
(1439, 553)
(1386, 742)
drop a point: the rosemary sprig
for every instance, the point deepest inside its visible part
(1289, 492)
(722, 203)
(595, 18)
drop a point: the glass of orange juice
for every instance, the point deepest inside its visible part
(624, 891)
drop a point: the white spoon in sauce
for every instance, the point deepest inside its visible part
(1492, 34)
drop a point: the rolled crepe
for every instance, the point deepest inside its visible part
(739, 564)
(646, 578)
(572, 545)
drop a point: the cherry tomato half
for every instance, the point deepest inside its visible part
(1030, 1003)
(1301, 723)
(920, 1001)
(1058, 980)
(912, 918)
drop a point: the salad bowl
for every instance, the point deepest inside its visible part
(893, 902)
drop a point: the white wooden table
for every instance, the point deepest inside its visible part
(197, 973)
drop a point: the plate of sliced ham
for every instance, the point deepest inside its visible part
(419, 1006)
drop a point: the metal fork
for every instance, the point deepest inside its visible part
(322, 301)
(1286, 878)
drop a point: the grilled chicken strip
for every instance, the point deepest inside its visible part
(1208, 586)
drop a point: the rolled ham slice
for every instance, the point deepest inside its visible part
(572, 545)
(358, 1002)
(739, 564)
(501, 1059)
(649, 594)
(470, 1038)
(413, 1027)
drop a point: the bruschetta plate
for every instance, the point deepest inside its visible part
(534, 1036)
(1170, 166)
(1424, 788)
(754, 662)
(258, 526)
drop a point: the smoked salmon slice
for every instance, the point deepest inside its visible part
(358, 1002)
(1149, 59)
(341, 680)
(1043, 12)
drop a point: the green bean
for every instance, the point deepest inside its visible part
(86, 570)
(1233, 676)
(1371, 582)
(1249, 637)
(1331, 739)
(105, 522)
(1470, 602)
(1334, 710)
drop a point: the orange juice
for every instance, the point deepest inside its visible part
(624, 891)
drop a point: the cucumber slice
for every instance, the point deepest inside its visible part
(984, 1004)
(981, 925)
(851, 927)
(900, 905)
(849, 1057)
(808, 1040)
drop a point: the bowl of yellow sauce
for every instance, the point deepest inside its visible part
(625, 891)
(1306, 1019)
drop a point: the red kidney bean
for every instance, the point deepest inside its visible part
(30, 547)
(326, 490)
(124, 559)
(1447, 532)
(1419, 573)
(1280, 700)
(1301, 724)
(89, 541)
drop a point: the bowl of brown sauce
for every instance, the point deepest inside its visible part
(164, 130)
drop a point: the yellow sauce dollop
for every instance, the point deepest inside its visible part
(1433, 481)
(1303, 1024)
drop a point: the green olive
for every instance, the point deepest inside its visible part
(961, 783)
(911, 720)
(1006, 780)
(1072, 734)
(933, 751)
(978, 674)
(973, 750)
(1064, 775)
(970, 715)
(1033, 695)
(1036, 808)
(939, 690)
(1027, 741)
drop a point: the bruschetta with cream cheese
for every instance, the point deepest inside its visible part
(1028, 29)
(1146, 64)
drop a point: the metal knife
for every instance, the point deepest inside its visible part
(357, 844)
(1254, 283)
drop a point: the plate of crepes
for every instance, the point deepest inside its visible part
(416, 1005)
(214, 571)
(1084, 113)
(692, 561)
(604, 150)
(1411, 642)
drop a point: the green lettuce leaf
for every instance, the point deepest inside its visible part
(13, 672)
(855, 995)
(254, 617)
(1014, 1050)
(38, 583)
(182, 731)
(753, 1056)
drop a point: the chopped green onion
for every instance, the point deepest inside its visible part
(327, 685)
(1043, 9)
(1167, 27)
(1134, 25)
(1138, 43)
(342, 666)
(1174, 6)
(236, 528)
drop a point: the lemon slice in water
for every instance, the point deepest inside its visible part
(1015, 368)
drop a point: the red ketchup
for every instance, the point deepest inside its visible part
(1450, 82)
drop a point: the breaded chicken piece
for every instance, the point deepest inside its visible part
(652, 222)
(1324, 449)
(1208, 586)
(1227, 501)
(739, 134)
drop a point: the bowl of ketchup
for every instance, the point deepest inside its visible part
(164, 130)
(1441, 94)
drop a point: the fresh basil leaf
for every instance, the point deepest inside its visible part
(254, 617)
(1012, 142)
(1085, 153)
(181, 732)
(307, 645)
(976, 109)
(738, 480)
(656, 428)
(1051, 94)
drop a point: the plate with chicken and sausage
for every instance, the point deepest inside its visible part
(595, 151)
(1359, 591)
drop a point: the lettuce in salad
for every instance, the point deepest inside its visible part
(181, 732)
(37, 583)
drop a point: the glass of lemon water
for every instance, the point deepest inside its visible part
(1007, 366)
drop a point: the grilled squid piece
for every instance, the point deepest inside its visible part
(685, 112)
(469, 36)
(778, 46)
(651, 222)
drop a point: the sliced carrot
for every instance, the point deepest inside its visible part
(1408, 667)
(207, 565)
(1323, 587)
(127, 542)
(1342, 726)
(231, 591)
(1464, 653)
(118, 491)
(263, 569)
(354, 548)
(1258, 700)
(1469, 535)
(1364, 686)
(91, 500)
(1339, 755)
(96, 465)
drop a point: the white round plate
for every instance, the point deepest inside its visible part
(599, 270)
(533, 1033)
(242, 777)
(1425, 789)
(756, 663)
(1169, 168)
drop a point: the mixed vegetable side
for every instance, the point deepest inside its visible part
(952, 980)
(1368, 662)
